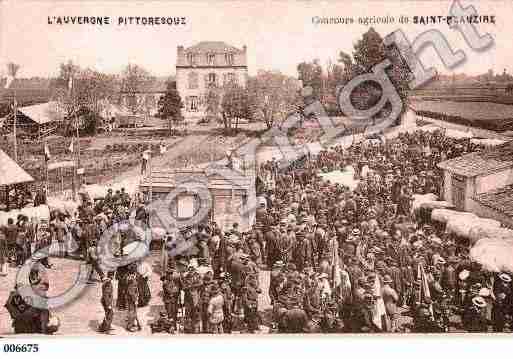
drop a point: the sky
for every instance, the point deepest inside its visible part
(278, 34)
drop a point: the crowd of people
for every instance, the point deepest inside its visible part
(341, 260)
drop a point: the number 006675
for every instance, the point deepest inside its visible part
(21, 348)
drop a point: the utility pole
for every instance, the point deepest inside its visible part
(12, 70)
(14, 128)
(151, 175)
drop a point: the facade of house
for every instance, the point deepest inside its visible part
(221, 195)
(482, 183)
(207, 66)
(145, 100)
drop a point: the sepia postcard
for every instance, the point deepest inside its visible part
(174, 168)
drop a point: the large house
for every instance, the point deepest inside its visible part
(204, 66)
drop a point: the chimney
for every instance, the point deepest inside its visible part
(244, 48)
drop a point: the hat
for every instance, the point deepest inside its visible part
(464, 274)
(440, 260)
(355, 232)
(387, 279)
(484, 292)
(417, 244)
(479, 302)
(436, 240)
(278, 264)
(476, 286)
(163, 314)
(505, 277)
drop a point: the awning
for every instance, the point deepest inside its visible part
(11, 173)
(42, 113)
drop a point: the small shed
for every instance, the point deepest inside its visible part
(11, 175)
(230, 194)
(36, 120)
(476, 181)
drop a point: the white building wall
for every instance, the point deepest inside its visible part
(182, 84)
(494, 180)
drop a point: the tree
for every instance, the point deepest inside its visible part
(170, 105)
(234, 106)
(90, 92)
(213, 103)
(368, 52)
(133, 79)
(272, 96)
(310, 73)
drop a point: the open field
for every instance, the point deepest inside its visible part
(488, 115)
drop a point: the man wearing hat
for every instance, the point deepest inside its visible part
(215, 310)
(171, 294)
(474, 319)
(277, 280)
(191, 285)
(302, 254)
(206, 294)
(448, 280)
(132, 299)
(503, 301)
(362, 317)
(250, 304)
(228, 300)
(390, 298)
(271, 245)
(107, 301)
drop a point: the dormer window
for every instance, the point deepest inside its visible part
(211, 59)
(229, 58)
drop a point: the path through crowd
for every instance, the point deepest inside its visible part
(83, 315)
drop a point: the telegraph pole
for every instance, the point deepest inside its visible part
(12, 70)
(14, 128)
(151, 174)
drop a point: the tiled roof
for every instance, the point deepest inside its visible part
(219, 179)
(213, 46)
(500, 199)
(156, 85)
(479, 163)
(211, 54)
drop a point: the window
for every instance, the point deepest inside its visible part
(211, 59)
(192, 103)
(191, 58)
(211, 80)
(193, 80)
(229, 78)
(229, 58)
(186, 206)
